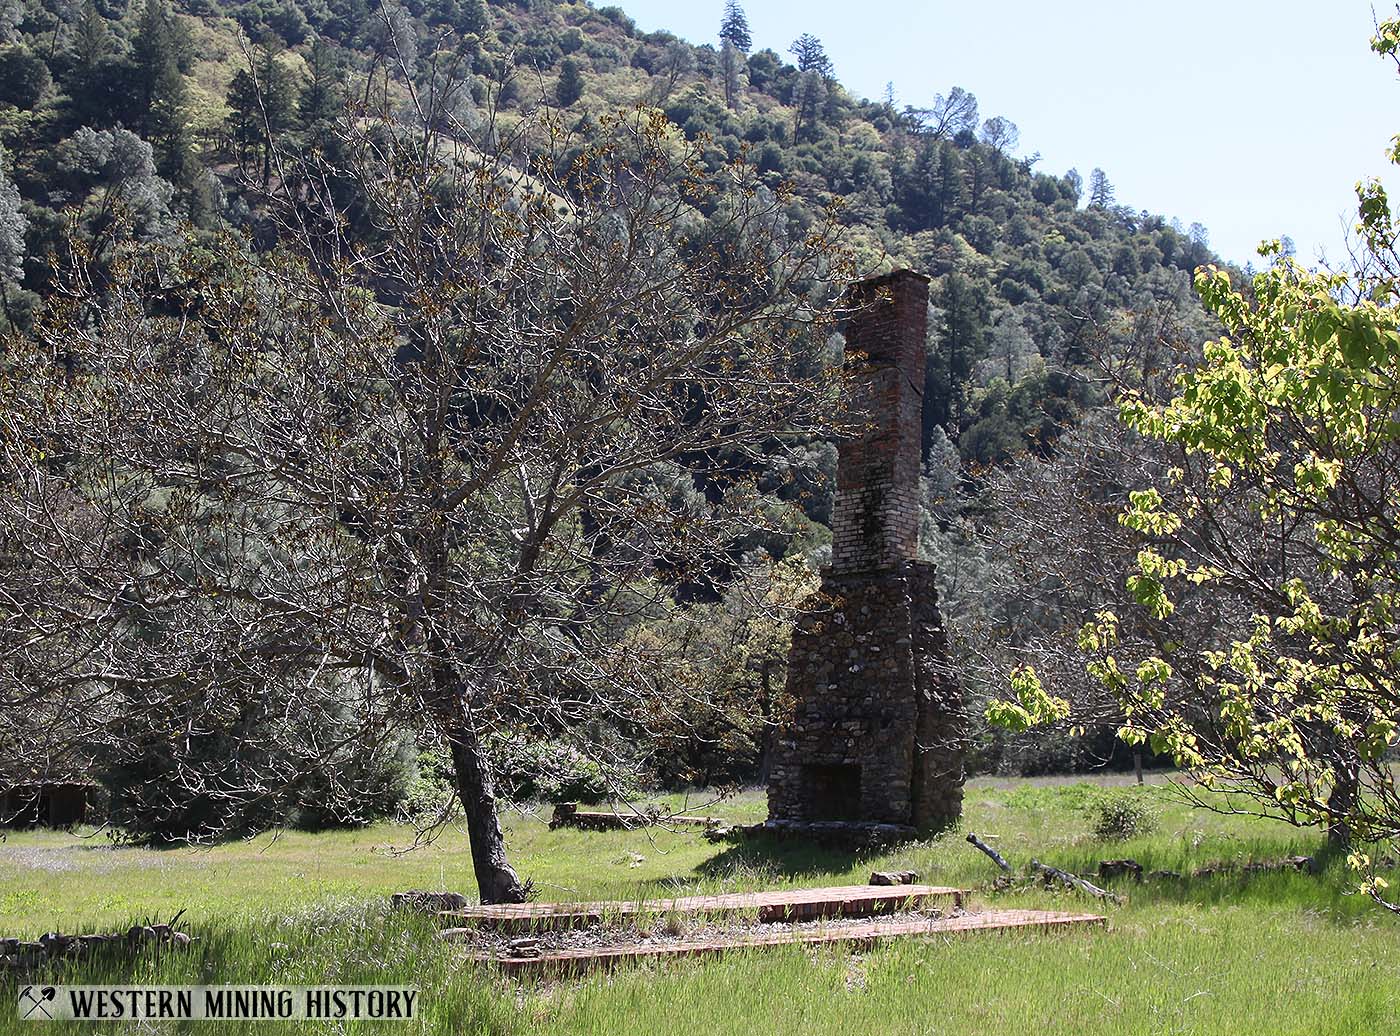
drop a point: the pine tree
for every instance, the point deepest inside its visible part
(570, 86)
(322, 97)
(91, 44)
(1100, 190)
(957, 351)
(813, 84)
(735, 27)
(278, 103)
(245, 115)
(811, 55)
(160, 89)
(473, 17)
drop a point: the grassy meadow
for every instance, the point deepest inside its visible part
(1236, 953)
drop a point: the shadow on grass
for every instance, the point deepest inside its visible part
(758, 855)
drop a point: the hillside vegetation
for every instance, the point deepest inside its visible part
(165, 109)
(162, 130)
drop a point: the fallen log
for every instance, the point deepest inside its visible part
(1109, 869)
(1073, 881)
(996, 856)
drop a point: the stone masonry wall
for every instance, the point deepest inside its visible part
(877, 733)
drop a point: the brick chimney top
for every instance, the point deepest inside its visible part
(876, 520)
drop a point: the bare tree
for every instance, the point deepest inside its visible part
(948, 116)
(433, 470)
(1000, 134)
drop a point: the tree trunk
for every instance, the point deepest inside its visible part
(1341, 803)
(1137, 764)
(476, 787)
(765, 701)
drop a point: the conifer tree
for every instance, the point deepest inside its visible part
(570, 86)
(91, 44)
(735, 43)
(1100, 190)
(245, 118)
(473, 17)
(735, 28)
(322, 95)
(277, 103)
(160, 89)
(811, 55)
(814, 83)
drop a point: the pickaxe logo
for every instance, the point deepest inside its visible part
(34, 1003)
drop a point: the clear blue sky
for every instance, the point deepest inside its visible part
(1254, 118)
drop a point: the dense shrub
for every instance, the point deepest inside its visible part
(1120, 813)
(553, 771)
(225, 769)
(365, 782)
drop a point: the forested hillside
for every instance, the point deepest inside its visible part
(164, 108)
(160, 124)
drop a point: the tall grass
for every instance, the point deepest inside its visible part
(1241, 953)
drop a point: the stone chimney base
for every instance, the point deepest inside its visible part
(877, 733)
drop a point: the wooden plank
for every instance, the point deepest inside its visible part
(779, 905)
(573, 962)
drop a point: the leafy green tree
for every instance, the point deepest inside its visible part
(1000, 134)
(731, 64)
(676, 62)
(11, 14)
(13, 227)
(114, 172)
(1075, 184)
(393, 40)
(23, 77)
(1279, 522)
(473, 17)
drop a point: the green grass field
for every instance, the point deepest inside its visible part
(1273, 954)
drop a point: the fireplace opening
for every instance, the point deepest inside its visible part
(831, 791)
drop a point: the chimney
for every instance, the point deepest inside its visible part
(876, 519)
